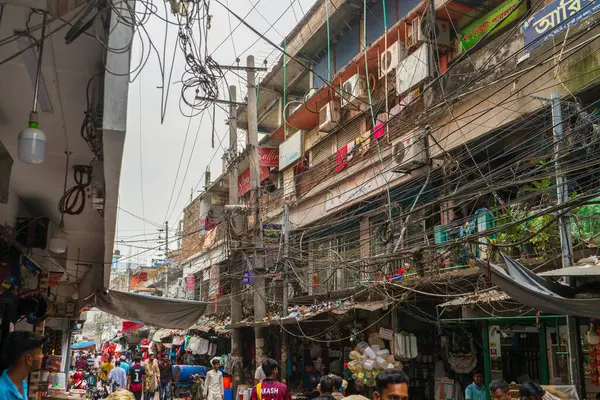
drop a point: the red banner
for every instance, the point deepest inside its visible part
(268, 157)
(244, 180)
(190, 283)
(130, 326)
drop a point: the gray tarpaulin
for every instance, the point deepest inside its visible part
(537, 292)
(154, 311)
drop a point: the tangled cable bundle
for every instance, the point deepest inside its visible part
(73, 201)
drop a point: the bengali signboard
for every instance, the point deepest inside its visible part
(244, 183)
(494, 20)
(554, 19)
(271, 235)
(219, 198)
(268, 157)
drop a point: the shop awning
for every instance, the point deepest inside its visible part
(130, 326)
(538, 292)
(163, 333)
(90, 344)
(149, 310)
(585, 270)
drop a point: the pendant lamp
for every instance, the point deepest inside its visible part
(58, 243)
(32, 140)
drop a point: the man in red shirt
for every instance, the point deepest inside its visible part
(270, 388)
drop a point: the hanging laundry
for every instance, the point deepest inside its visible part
(363, 142)
(379, 130)
(350, 147)
(341, 159)
(204, 345)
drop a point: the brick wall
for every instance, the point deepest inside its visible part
(191, 241)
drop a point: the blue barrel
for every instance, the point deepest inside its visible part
(228, 394)
(183, 373)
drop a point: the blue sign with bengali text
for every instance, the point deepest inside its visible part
(554, 19)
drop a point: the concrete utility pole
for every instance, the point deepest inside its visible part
(286, 284)
(236, 284)
(166, 259)
(260, 308)
(566, 243)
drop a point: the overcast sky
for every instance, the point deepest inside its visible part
(153, 150)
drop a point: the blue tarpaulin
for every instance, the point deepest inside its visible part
(83, 345)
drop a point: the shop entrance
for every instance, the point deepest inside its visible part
(520, 354)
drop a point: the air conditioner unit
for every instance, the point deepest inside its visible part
(329, 116)
(390, 58)
(423, 30)
(353, 91)
(410, 152)
(413, 70)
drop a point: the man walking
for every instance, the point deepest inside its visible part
(213, 385)
(152, 375)
(326, 388)
(270, 388)
(392, 384)
(136, 378)
(476, 390)
(118, 375)
(166, 376)
(499, 390)
(23, 352)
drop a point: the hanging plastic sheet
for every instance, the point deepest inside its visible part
(537, 292)
(149, 310)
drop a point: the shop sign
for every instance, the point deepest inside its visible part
(190, 283)
(355, 188)
(244, 183)
(290, 151)
(213, 287)
(268, 157)
(54, 278)
(209, 239)
(555, 18)
(494, 20)
(219, 199)
(271, 235)
(494, 339)
(386, 334)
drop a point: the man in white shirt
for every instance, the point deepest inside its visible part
(259, 374)
(213, 385)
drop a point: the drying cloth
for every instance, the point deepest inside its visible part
(195, 345)
(350, 150)
(378, 131)
(341, 159)
(204, 344)
(151, 310)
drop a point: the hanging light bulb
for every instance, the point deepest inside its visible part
(32, 140)
(58, 243)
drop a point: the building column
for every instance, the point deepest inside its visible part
(544, 377)
(485, 347)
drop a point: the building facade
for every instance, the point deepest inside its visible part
(411, 137)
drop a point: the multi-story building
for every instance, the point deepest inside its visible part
(411, 136)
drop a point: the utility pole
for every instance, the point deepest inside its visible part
(566, 243)
(166, 259)
(286, 283)
(260, 308)
(236, 284)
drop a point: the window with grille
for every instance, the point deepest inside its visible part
(335, 262)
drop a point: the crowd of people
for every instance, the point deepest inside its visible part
(129, 372)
